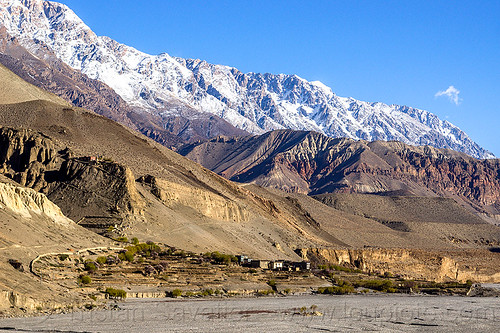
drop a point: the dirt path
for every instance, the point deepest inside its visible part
(32, 262)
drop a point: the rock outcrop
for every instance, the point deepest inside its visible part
(436, 266)
(25, 202)
(206, 203)
(102, 188)
(26, 155)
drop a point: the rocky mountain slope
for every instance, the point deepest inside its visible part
(43, 69)
(252, 102)
(310, 162)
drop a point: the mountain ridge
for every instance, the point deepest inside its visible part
(252, 102)
(312, 163)
(42, 68)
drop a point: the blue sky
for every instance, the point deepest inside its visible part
(396, 52)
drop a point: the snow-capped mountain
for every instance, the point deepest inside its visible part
(253, 102)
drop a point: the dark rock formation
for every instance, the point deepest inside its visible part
(16, 264)
(102, 188)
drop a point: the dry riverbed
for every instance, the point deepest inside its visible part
(308, 313)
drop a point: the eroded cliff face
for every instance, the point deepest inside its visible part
(477, 181)
(79, 186)
(26, 155)
(25, 202)
(205, 202)
(439, 266)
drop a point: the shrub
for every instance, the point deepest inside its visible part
(101, 260)
(145, 249)
(180, 253)
(341, 290)
(342, 283)
(116, 293)
(265, 292)
(176, 293)
(272, 283)
(135, 240)
(90, 267)
(122, 239)
(380, 285)
(168, 252)
(207, 292)
(84, 279)
(341, 268)
(221, 258)
(410, 284)
(63, 257)
(127, 255)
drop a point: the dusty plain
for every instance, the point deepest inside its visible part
(353, 313)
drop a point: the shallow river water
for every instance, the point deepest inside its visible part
(353, 313)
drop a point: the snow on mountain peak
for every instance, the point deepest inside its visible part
(321, 85)
(254, 102)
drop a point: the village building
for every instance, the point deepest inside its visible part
(264, 264)
(276, 265)
(243, 260)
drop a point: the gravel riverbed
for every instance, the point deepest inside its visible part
(308, 313)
